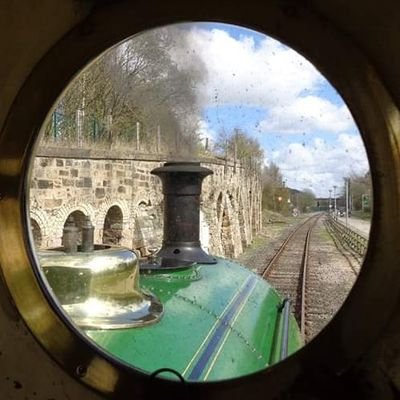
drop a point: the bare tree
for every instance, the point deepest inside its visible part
(241, 146)
(138, 83)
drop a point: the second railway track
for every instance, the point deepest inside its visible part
(286, 271)
(312, 273)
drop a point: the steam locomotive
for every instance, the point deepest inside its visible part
(181, 312)
(357, 354)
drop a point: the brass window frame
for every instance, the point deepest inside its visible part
(341, 61)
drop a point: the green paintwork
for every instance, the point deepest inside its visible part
(194, 301)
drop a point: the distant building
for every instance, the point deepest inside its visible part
(322, 203)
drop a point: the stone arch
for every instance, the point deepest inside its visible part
(113, 226)
(258, 206)
(249, 197)
(36, 233)
(65, 211)
(144, 203)
(219, 206)
(61, 217)
(106, 205)
(243, 219)
(216, 199)
(148, 231)
(221, 234)
(236, 233)
(126, 224)
(43, 225)
(123, 205)
(226, 234)
(79, 218)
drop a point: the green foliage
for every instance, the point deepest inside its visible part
(277, 197)
(360, 192)
(272, 183)
(305, 200)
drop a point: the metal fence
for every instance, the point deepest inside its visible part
(347, 236)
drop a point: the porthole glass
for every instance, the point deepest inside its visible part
(181, 175)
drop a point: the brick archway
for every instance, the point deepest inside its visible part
(113, 226)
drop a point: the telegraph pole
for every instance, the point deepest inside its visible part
(346, 180)
(334, 198)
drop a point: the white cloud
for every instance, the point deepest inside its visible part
(308, 114)
(267, 75)
(241, 71)
(321, 165)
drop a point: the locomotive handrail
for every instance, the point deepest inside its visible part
(159, 371)
(285, 328)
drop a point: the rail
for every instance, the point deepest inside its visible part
(282, 247)
(303, 282)
(348, 236)
(299, 289)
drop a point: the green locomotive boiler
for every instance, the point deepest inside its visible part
(180, 313)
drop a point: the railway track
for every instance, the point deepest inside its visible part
(316, 281)
(287, 269)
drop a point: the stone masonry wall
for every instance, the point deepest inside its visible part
(124, 201)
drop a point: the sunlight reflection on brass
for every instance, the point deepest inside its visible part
(100, 289)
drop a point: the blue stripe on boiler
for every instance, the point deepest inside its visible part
(219, 333)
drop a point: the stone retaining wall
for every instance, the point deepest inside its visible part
(124, 201)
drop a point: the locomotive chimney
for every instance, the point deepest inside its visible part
(182, 188)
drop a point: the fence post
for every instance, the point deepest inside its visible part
(158, 139)
(137, 136)
(55, 125)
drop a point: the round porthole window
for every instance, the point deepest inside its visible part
(289, 196)
(91, 215)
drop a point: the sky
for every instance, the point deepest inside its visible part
(257, 84)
